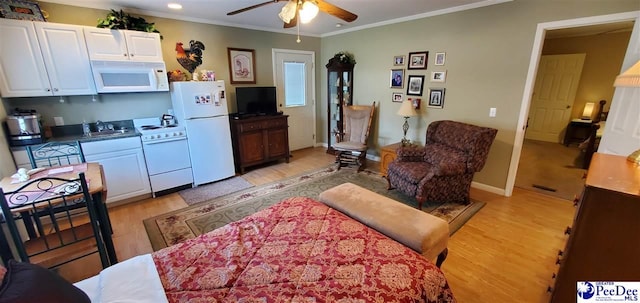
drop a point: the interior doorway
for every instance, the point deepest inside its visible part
(553, 168)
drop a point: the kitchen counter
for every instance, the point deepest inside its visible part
(69, 133)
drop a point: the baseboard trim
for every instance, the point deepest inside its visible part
(488, 188)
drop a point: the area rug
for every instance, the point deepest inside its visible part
(180, 225)
(213, 190)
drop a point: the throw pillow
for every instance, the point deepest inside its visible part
(30, 283)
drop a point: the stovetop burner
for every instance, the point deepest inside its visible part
(148, 127)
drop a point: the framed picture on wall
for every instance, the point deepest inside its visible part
(414, 85)
(397, 78)
(440, 57)
(397, 97)
(418, 60)
(398, 60)
(438, 76)
(242, 65)
(436, 98)
(20, 9)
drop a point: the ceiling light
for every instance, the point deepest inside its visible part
(338, 24)
(174, 6)
(288, 12)
(308, 12)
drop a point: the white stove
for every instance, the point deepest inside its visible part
(157, 133)
(166, 153)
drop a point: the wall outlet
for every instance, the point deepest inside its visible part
(58, 121)
(492, 112)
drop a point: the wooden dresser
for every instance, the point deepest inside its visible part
(604, 241)
(257, 140)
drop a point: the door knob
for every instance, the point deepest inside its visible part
(568, 106)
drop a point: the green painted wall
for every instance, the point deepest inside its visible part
(487, 58)
(488, 51)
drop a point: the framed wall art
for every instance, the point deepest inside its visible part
(20, 9)
(440, 57)
(418, 60)
(438, 76)
(242, 65)
(436, 98)
(398, 60)
(397, 97)
(397, 78)
(415, 102)
(414, 85)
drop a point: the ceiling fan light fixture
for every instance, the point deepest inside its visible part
(288, 12)
(308, 11)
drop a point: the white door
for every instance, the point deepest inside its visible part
(21, 54)
(554, 93)
(294, 80)
(66, 58)
(622, 131)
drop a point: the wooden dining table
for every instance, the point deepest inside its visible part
(97, 187)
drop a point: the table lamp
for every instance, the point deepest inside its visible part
(406, 110)
(630, 78)
(588, 111)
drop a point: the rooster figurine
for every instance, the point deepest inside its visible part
(190, 58)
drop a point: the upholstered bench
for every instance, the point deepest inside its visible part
(422, 232)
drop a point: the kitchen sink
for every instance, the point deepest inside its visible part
(108, 133)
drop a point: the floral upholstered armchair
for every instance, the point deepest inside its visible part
(442, 170)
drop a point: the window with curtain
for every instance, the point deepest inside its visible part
(294, 80)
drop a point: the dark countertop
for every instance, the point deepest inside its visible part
(71, 133)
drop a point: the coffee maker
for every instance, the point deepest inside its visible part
(23, 127)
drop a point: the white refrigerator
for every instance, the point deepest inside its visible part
(201, 106)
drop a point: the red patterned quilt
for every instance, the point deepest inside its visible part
(298, 250)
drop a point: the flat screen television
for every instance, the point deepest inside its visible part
(258, 100)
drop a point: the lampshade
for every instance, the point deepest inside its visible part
(288, 11)
(308, 11)
(406, 109)
(588, 111)
(630, 77)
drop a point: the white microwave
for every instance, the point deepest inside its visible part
(129, 76)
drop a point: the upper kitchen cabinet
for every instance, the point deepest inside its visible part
(118, 45)
(43, 59)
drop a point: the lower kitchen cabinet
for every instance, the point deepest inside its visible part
(258, 140)
(124, 167)
(603, 241)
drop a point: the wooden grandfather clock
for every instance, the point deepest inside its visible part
(340, 94)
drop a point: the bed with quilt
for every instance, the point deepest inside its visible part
(299, 250)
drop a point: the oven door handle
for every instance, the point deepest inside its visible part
(163, 140)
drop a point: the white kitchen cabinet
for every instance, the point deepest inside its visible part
(43, 59)
(122, 45)
(124, 167)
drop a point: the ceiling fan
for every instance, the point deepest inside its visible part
(304, 9)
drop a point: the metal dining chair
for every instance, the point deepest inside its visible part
(61, 240)
(55, 154)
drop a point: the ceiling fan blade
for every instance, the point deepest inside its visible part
(336, 11)
(292, 22)
(252, 7)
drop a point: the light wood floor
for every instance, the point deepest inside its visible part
(505, 253)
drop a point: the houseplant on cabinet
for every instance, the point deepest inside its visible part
(120, 20)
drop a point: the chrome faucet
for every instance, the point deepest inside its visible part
(100, 125)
